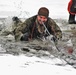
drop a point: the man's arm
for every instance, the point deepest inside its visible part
(55, 28)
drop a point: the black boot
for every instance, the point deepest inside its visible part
(71, 19)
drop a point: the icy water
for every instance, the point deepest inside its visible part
(39, 48)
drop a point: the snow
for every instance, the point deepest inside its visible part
(27, 8)
(21, 65)
(24, 65)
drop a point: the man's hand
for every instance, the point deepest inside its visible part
(25, 37)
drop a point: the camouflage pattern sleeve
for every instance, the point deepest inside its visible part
(22, 28)
(18, 31)
(55, 28)
(25, 27)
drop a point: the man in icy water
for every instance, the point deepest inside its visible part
(35, 27)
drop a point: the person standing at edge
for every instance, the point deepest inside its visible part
(33, 28)
(72, 11)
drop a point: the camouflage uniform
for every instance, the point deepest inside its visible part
(30, 26)
(11, 26)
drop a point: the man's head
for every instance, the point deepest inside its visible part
(43, 11)
(43, 14)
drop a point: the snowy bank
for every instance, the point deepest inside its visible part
(23, 65)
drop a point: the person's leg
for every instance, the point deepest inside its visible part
(71, 19)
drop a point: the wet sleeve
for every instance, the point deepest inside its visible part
(56, 29)
(22, 29)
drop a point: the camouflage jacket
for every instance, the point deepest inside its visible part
(30, 26)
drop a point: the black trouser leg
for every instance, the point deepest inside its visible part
(71, 19)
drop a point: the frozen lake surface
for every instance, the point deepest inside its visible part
(36, 58)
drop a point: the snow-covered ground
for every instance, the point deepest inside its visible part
(22, 64)
(27, 8)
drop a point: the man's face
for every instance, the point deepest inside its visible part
(41, 19)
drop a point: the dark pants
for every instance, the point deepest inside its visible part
(71, 19)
